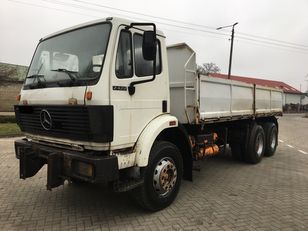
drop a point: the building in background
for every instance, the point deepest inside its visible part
(292, 98)
(11, 79)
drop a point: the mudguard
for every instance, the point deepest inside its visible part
(149, 134)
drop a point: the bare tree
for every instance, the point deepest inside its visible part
(208, 68)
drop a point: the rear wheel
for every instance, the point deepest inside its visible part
(271, 138)
(256, 145)
(162, 177)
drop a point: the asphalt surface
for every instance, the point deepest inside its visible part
(225, 195)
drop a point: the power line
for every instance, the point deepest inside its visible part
(275, 40)
(80, 7)
(167, 24)
(187, 23)
(138, 13)
(50, 8)
(163, 23)
(78, 13)
(272, 43)
(271, 46)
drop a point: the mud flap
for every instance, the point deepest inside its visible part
(29, 164)
(54, 171)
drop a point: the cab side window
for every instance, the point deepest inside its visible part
(144, 67)
(124, 59)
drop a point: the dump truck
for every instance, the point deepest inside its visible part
(108, 102)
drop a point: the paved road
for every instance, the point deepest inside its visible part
(225, 195)
(294, 131)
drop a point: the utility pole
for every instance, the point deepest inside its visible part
(300, 99)
(231, 48)
(307, 84)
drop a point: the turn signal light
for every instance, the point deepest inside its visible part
(18, 97)
(172, 123)
(88, 95)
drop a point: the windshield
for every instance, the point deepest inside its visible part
(74, 58)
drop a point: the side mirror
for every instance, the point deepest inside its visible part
(149, 45)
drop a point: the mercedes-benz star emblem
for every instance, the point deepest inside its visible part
(45, 118)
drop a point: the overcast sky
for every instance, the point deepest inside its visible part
(271, 39)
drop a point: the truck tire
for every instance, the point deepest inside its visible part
(162, 177)
(256, 145)
(271, 138)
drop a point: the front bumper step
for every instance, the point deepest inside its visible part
(64, 164)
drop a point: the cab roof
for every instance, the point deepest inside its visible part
(114, 20)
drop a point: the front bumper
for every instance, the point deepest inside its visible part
(64, 164)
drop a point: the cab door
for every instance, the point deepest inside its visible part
(133, 112)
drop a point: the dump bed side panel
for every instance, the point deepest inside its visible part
(268, 100)
(224, 98)
(196, 98)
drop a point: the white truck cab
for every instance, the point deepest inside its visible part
(104, 57)
(95, 106)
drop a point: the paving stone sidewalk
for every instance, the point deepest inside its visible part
(225, 195)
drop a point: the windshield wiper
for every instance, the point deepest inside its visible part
(70, 74)
(37, 77)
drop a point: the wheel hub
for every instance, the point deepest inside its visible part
(164, 177)
(259, 145)
(273, 140)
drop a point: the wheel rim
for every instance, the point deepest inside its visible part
(273, 140)
(165, 176)
(259, 145)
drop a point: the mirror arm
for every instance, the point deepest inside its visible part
(131, 87)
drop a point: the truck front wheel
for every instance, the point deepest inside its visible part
(162, 177)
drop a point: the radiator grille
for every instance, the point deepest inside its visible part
(72, 122)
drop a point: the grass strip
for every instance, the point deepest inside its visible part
(9, 130)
